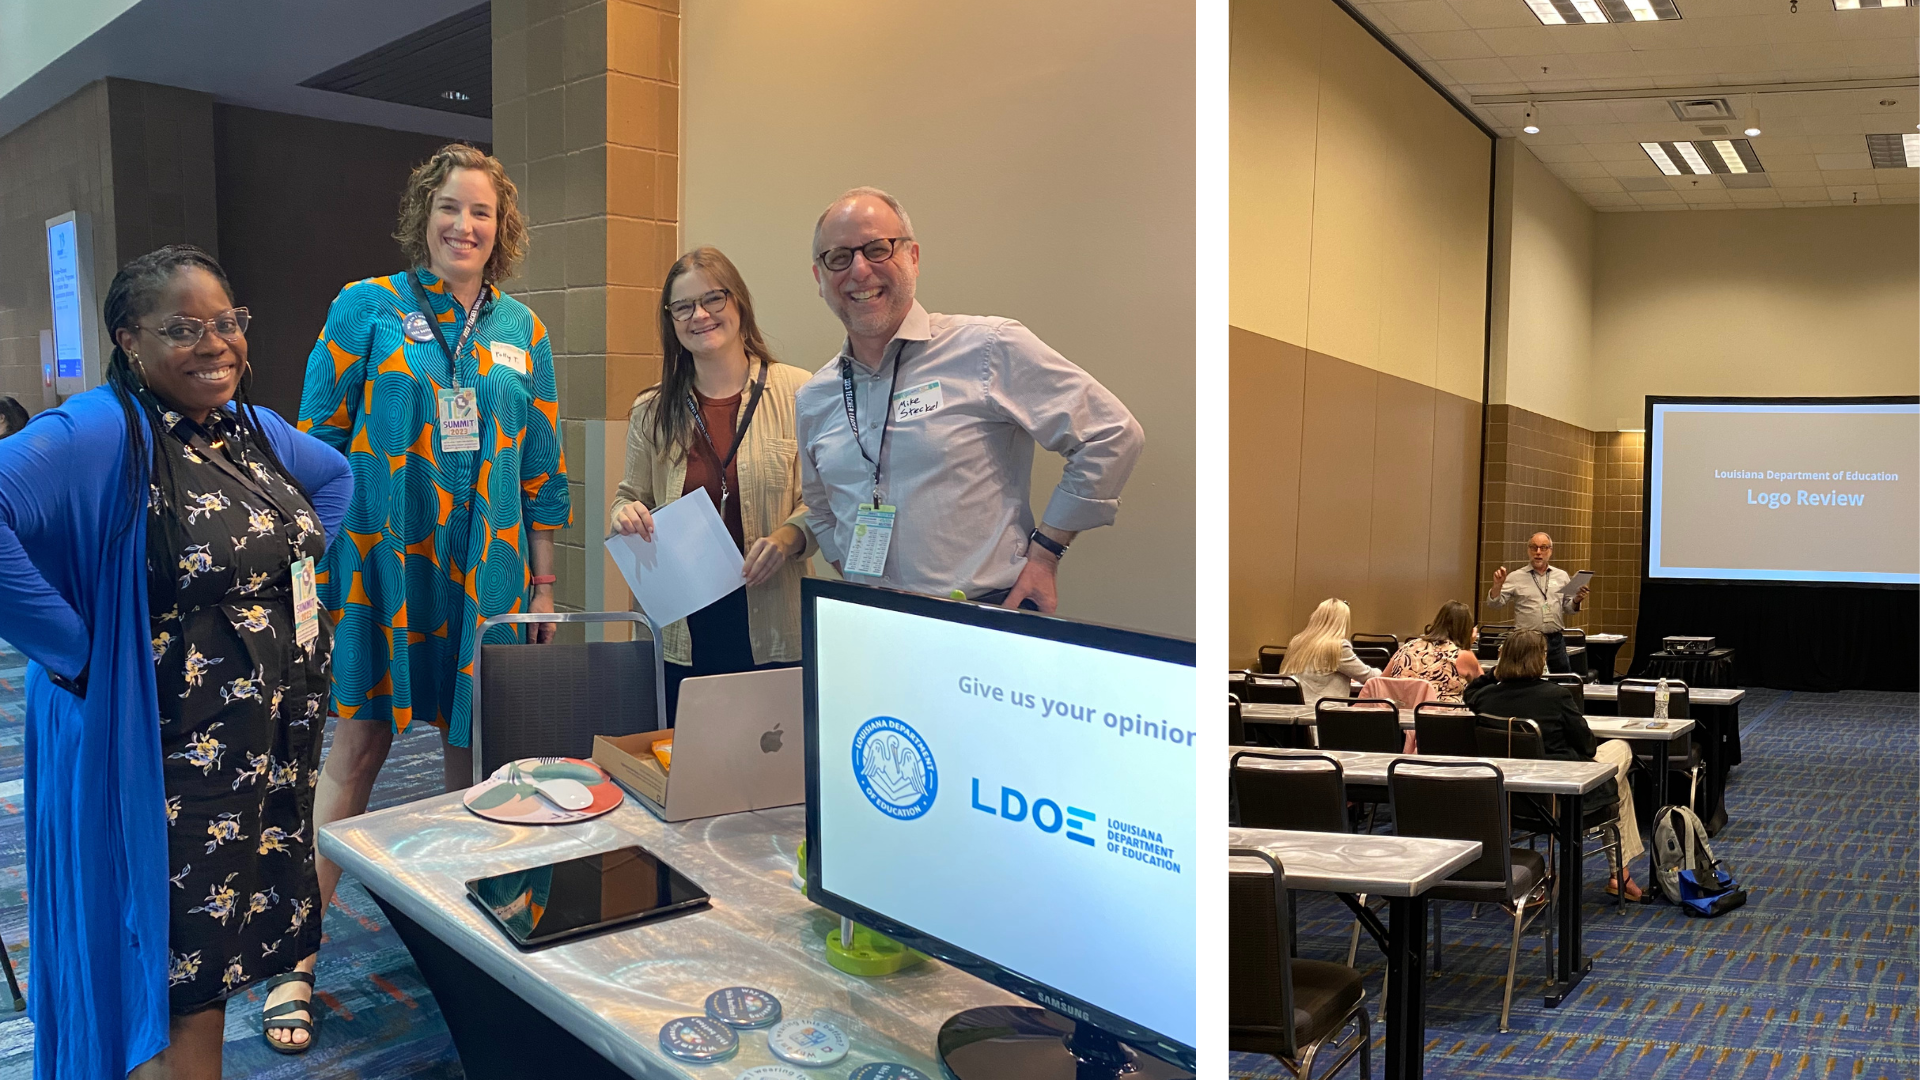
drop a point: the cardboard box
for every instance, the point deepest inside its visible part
(629, 759)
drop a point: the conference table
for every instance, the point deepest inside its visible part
(1716, 710)
(1400, 868)
(1570, 780)
(593, 1008)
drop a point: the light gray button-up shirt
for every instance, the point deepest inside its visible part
(959, 476)
(1538, 600)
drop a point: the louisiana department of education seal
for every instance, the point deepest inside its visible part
(895, 769)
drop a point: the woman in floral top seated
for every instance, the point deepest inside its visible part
(1443, 655)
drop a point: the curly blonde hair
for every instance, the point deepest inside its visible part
(416, 207)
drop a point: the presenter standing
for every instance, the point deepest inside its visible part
(440, 391)
(916, 441)
(1539, 599)
(720, 422)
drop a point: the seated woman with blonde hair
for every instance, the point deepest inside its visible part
(1517, 687)
(1442, 656)
(1321, 658)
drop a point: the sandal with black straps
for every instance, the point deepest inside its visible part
(278, 1018)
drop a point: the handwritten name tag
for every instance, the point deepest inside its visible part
(511, 355)
(917, 401)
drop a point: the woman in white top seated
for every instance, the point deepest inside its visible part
(1321, 658)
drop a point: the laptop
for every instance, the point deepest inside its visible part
(738, 744)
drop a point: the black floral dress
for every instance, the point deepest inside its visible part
(241, 714)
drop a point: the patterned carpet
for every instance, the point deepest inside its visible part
(378, 1019)
(1813, 978)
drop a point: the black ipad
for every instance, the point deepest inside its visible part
(565, 900)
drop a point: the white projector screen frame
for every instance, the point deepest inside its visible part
(1659, 562)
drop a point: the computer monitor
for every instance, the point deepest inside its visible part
(1012, 794)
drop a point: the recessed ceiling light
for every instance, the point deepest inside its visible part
(1894, 151)
(1703, 157)
(1567, 12)
(454, 95)
(1856, 5)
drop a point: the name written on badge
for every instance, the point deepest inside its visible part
(917, 401)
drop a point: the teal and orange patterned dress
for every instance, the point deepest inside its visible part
(435, 541)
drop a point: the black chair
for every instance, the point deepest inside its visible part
(1303, 792)
(1467, 801)
(1576, 643)
(1575, 686)
(1236, 731)
(1272, 690)
(1388, 642)
(1370, 725)
(1271, 657)
(1491, 635)
(1372, 655)
(1539, 815)
(1637, 699)
(1236, 683)
(1276, 1005)
(551, 700)
(1444, 727)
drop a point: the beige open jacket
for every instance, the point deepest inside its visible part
(769, 466)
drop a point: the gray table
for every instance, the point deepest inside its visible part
(613, 992)
(1717, 711)
(1399, 868)
(1570, 780)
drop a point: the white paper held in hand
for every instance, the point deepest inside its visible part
(690, 563)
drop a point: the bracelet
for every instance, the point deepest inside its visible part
(1048, 543)
(543, 579)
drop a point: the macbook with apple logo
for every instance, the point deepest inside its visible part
(738, 744)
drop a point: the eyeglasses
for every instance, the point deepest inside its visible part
(715, 302)
(1539, 547)
(184, 332)
(875, 251)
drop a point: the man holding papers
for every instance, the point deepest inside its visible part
(916, 441)
(1539, 597)
(721, 424)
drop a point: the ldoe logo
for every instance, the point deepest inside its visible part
(895, 769)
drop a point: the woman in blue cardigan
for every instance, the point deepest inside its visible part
(156, 545)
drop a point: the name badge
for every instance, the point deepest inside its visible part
(459, 420)
(306, 604)
(416, 327)
(872, 535)
(511, 355)
(917, 401)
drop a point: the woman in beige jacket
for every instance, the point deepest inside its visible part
(721, 422)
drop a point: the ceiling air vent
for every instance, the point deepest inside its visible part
(1714, 131)
(1694, 110)
(1745, 180)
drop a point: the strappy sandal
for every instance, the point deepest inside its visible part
(1635, 894)
(277, 1018)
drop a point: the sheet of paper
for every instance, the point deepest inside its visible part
(1577, 582)
(689, 563)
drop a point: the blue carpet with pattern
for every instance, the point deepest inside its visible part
(1814, 978)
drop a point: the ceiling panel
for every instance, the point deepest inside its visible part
(1759, 54)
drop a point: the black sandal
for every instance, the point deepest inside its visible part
(276, 1016)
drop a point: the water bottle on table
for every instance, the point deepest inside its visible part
(1660, 697)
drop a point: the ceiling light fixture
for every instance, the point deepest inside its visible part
(1704, 157)
(455, 95)
(1753, 116)
(1530, 127)
(1894, 151)
(1573, 12)
(1857, 5)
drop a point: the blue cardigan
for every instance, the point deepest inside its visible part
(73, 587)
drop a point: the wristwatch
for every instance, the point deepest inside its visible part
(1047, 542)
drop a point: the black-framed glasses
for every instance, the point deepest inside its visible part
(715, 302)
(184, 331)
(874, 251)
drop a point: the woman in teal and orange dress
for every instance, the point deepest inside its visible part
(440, 390)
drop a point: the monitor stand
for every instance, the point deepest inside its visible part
(1004, 1042)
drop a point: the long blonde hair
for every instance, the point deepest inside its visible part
(1316, 650)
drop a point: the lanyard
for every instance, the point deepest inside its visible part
(466, 332)
(1544, 602)
(219, 460)
(853, 416)
(739, 436)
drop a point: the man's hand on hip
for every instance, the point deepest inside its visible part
(1037, 582)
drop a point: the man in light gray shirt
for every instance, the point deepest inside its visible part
(916, 441)
(1539, 598)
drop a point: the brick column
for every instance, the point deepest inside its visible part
(587, 120)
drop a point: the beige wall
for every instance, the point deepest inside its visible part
(1359, 203)
(1046, 154)
(1541, 346)
(1817, 301)
(1359, 200)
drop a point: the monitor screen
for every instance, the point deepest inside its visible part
(1797, 490)
(63, 272)
(1010, 793)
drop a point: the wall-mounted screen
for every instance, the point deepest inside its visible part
(63, 267)
(1796, 489)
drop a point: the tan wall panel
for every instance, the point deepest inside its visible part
(1020, 125)
(1810, 301)
(1275, 87)
(1336, 486)
(1265, 413)
(1403, 495)
(1354, 215)
(1456, 497)
(1549, 341)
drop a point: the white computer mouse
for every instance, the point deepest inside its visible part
(565, 794)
